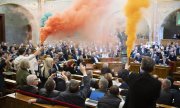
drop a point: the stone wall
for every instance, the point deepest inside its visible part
(154, 15)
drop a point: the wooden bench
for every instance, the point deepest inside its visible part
(89, 66)
(10, 75)
(164, 42)
(10, 85)
(17, 100)
(176, 75)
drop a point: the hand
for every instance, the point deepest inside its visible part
(127, 66)
(83, 69)
(64, 76)
(38, 52)
(8, 58)
(53, 75)
(30, 101)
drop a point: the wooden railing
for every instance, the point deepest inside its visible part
(161, 71)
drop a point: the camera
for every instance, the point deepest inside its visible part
(59, 75)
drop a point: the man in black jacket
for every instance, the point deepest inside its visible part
(166, 97)
(144, 90)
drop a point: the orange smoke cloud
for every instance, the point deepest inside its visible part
(81, 14)
(133, 14)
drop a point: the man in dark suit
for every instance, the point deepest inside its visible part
(56, 64)
(48, 91)
(172, 56)
(138, 58)
(144, 90)
(94, 58)
(176, 97)
(31, 87)
(73, 94)
(111, 100)
(166, 97)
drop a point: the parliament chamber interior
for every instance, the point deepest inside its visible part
(89, 53)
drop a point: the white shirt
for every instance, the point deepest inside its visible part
(20, 58)
(33, 65)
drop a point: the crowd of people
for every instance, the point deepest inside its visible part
(159, 53)
(47, 71)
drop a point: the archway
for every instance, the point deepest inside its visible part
(19, 23)
(170, 28)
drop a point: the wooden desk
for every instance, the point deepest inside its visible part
(163, 106)
(117, 59)
(88, 61)
(135, 67)
(176, 75)
(21, 101)
(116, 66)
(177, 83)
(89, 66)
(164, 42)
(160, 70)
(77, 77)
(97, 72)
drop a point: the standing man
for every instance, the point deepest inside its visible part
(144, 90)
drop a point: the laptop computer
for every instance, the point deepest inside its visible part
(94, 97)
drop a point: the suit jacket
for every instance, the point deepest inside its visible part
(109, 101)
(176, 97)
(57, 67)
(93, 59)
(76, 98)
(166, 97)
(47, 94)
(2, 83)
(44, 93)
(173, 58)
(28, 88)
(60, 84)
(138, 59)
(143, 91)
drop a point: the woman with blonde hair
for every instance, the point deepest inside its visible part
(44, 73)
(22, 73)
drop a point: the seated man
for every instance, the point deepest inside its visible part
(103, 85)
(138, 58)
(166, 96)
(73, 94)
(172, 56)
(48, 91)
(32, 82)
(61, 83)
(111, 100)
